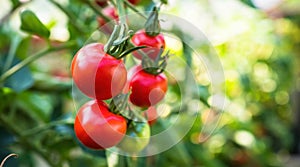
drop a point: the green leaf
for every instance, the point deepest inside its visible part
(31, 24)
(249, 3)
(15, 3)
(21, 80)
(164, 1)
(22, 50)
(87, 160)
(38, 105)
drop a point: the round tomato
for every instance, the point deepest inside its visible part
(137, 137)
(98, 128)
(97, 74)
(146, 89)
(154, 44)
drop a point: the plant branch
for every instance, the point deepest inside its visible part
(128, 4)
(27, 142)
(72, 18)
(121, 12)
(46, 126)
(32, 58)
(94, 8)
(11, 54)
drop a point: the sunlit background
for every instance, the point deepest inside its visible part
(257, 42)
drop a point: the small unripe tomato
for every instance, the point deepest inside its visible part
(98, 128)
(97, 74)
(137, 137)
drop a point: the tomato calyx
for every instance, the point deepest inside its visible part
(134, 116)
(118, 103)
(118, 44)
(152, 25)
(156, 66)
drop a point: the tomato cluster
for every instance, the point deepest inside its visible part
(101, 75)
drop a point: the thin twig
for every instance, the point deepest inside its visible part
(11, 53)
(128, 4)
(46, 126)
(94, 8)
(32, 58)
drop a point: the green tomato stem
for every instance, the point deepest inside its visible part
(121, 12)
(118, 103)
(46, 126)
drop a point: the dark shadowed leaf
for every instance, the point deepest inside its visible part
(21, 80)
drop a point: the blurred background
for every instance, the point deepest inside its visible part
(257, 42)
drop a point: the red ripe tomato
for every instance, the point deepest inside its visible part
(154, 43)
(146, 89)
(97, 74)
(97, 128)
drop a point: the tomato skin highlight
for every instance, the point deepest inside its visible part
(97, 74)
(98, 128)
(151, 114)
(154, 43)
(146, 89)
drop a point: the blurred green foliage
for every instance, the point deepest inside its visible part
(261, 72)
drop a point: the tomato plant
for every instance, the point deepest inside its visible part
(98, 128)
(260, 63)
(98, 74)
(137, 137)
(147, 89)
(153, 43)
